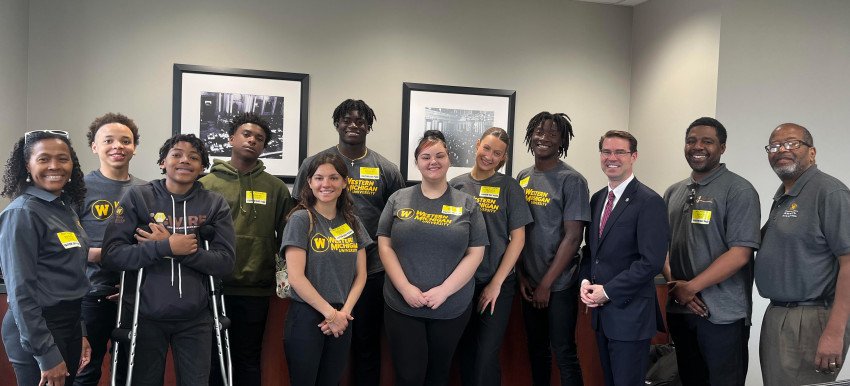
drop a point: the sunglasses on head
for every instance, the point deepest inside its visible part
(54, 132)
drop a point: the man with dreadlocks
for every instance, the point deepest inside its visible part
(371, 180)
(558, 198)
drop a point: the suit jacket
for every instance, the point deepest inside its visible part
(625, 261)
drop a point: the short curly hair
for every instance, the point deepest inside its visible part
(359, 106)
(15, 176)
(108, 118)
(246, 118)
(189, 138)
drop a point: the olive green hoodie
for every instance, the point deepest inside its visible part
(258, 220)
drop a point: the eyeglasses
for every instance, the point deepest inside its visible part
(788, 145)
(619, 153)
(54, 132)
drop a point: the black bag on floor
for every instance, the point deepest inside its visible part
(662, 366)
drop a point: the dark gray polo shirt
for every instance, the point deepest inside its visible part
(44, 253)
(807, 230)
(725, 213)
(371, 181)
(430, 238)
(502, 202)
(554, 196)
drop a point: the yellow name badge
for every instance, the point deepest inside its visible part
(700, 216)
(489, 191)
(68, 240)
(342, 231)
(370, 173)
(454, 210)
(254, 197)
(524, 182)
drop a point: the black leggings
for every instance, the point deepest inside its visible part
(313, 357)
(422, 348)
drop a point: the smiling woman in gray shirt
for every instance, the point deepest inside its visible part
(44, 259)
(431, 239)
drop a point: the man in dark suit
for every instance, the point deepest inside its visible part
(626, 247)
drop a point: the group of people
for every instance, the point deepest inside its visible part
(435, 265)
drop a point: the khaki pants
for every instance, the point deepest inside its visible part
(789, 342)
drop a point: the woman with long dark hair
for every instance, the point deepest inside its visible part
(431, 240)
(44, 259)
(324, 245)
(506, 213)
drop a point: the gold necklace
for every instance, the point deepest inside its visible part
(352, 160)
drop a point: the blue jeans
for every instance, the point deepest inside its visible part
(553, 329)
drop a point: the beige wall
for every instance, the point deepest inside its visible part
(88, 57)
(13, 73)
(675, 48)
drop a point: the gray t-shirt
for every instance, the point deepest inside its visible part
(371, 181)
(102, 196)
(554, 196)
(806, 231)
(331, 247)
(725, 213)
(502, 202)
(430, 237)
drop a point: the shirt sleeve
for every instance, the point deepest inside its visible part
(295, 233)
(19, 265)
(120, 251)
(576, 199)
(477, 226)
(395, 181)
(363, 239)
(519, 215)
(385, 223)
(743, 217)
(300, 179)
(835, 211)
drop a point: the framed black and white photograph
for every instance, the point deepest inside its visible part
(207, 98)
(462, 114)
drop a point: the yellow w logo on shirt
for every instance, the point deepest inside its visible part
(101, 209)
(319, 243)
(405, 213)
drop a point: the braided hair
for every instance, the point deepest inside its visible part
(561, 121)
(15, 176)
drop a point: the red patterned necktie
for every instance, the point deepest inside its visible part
(605, 214)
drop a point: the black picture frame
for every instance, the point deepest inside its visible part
(461, 113)
(206, 97)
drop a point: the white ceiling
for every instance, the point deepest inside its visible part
(628, 3)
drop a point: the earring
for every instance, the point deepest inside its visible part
(69, 179)
(28, 178)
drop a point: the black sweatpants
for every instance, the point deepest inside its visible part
(247, 316)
